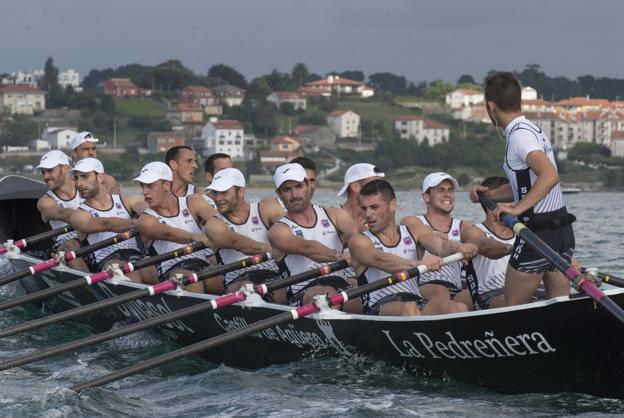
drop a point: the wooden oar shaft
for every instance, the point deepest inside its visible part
(214, 304)
(69, 256)
(98, 277)
(137, 294)
(292, 315)
(556, 259)
(25, 242)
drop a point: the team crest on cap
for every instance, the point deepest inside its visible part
(407, 240)
(325, 223)
(185, 212)
(254, 220)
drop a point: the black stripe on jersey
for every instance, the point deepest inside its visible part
(523, 182)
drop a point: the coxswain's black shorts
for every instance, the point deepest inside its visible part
(555, 229)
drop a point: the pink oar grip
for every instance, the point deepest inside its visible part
(230, 299)
(45, 265)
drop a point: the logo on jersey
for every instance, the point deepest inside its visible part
(407, 240)
(455, 232)
(60, 204)
(325, 223)
(118, 205)
(95, 214)
(299, 233)
(254, 220)
(185, 212)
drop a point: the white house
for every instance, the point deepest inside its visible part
(59, 137)
(21, 99)
(420, 129)
(435, 132)
(225, 136)
(344, 123)
(229, 95)
(70, 78)
(463, 98)
(342, 86)
(617, 143)
(297, 100)
(529, 93)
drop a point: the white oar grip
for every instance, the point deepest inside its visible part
(446, 260)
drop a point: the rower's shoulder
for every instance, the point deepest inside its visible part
(411, 221)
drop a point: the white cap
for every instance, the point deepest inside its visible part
(433, 179)
(87, 165)
(154, 171)
(226, 178)
(81, 138)
(357, 172)
(53, 158)
(292, 171)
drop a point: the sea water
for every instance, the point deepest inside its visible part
(357, 387)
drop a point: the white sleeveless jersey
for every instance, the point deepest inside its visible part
(252, 228)
(190, 189)
(117, 210)
(210, 201)
(183, 220)
(450, 273)
(322, 231)
(404, 248)
(72, 203)
(524, 137)
(491, 273)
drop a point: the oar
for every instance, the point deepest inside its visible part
(25, 242)
(67, 257)
(292, 315)
(137, 294)
(607, 278)
(587, 286)
(170, 317)
(101, 276)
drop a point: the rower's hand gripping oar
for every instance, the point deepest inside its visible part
(605, 277)
(137, 294)
(213, 304)
(292, 315)
(581, 282)
(68, 256)
(101, 276)
(25, 242)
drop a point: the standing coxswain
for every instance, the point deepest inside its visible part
(386, 248)
(103, 214)
(250, 219)
(171, 220)
(58, 204)
(310, 235)
(534, 188)
(83, 146)
(438, 192)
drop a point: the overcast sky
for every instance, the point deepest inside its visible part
(423, 40)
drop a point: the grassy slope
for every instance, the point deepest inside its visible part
(131, 107)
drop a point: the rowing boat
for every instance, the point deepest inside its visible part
(560, 345)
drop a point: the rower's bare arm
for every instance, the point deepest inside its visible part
(344, 223)
(151, 229)
(270, 211)
(200, 208)
(87, 224)
(441, 247)
(411, 221)
(221, 237)
(489, 248)
(503, 193)
(547, 178)
(135, 204)
(364, 252)
(49, 210)
(111, 184)
(281, 237)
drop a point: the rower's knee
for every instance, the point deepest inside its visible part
(435, 291)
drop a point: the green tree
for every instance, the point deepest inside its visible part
(287, 109)
(224, 74)
(438, 90)
(172, 75)
(49, 83)
(465, 79)
(259, 89)
(389, 82)
(20, 131)
(356, 75)
(300, 73)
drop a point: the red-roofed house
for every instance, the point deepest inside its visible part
(344, 123)
(199, 95)
(123, 87)
(582, 104)
(285, 143)
(162, 141)
(537, 105)
(463, 98)
(297, 100)
(420, 129)
(225, 136)
(21, 99)
(314, 92)
(340, 86)
(182, 113)
(617, 143)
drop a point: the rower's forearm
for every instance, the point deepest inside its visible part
(493, 249)
(390, 263)
(318, 252)
(502, 194)
(542, 186)
(112, 224)
(246, 245)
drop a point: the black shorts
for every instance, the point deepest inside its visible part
(337, 282)
(560, 238)
(453, 290)
(486, 298)
(193, 264)
(129, 255)
(255, 276)
(397, 297)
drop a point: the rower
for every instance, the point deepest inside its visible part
(103, 214)
(60, 201)
(309, 235)
(248, 219)
(387, 248)
(183, 163)
(439, 196)
(356, 177)
(214, 163)
(310, 168)
(171, 220)
(83, 146)
(495, 242)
